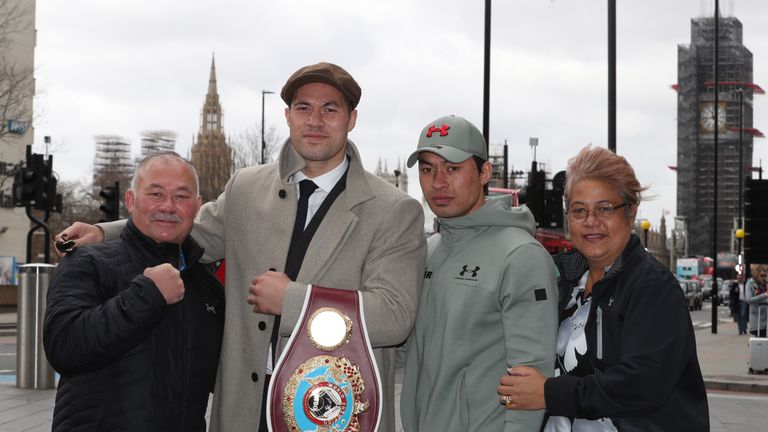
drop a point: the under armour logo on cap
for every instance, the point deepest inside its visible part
(452, 138)
(443, 130)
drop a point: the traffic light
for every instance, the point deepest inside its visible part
(45, 191)
(522, 196)
(33, 183)
(111, 204)
(756, 221)
(554, 202)
(534, 194)
(58, 203)
(24, 184)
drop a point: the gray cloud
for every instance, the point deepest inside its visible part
(120, 67)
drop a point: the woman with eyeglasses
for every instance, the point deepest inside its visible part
(756, 294)
(626, 353)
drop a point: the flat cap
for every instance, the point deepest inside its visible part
(327, 73)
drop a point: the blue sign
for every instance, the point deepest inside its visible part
(17, 126)
(8, 270)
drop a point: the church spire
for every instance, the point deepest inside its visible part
(210, 153)
(212, 79)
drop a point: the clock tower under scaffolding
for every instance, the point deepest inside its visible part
(696, 125)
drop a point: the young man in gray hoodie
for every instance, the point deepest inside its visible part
(489, 296)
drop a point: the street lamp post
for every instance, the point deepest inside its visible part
(741, 157)
(612, 75)
(505, 175)
(740, 231)
(715, 161)
(487, 81)
(645, 225)
(397, 178)
(740, 236)
(263, 143)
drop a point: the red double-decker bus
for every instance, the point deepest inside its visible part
(493, 191)
(554, 241)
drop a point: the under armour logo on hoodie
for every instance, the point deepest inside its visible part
(465, 270)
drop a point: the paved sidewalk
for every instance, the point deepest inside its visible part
(25, 410)
(723, 358)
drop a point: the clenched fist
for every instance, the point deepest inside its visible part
(168, 281)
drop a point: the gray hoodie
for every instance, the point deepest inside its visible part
(756, 301)
(488, 302)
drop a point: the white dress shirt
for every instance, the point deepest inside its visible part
(324, 182)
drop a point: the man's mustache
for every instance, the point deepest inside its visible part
(164, 217)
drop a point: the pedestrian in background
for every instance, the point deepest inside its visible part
(743, 309)
(756, 293)
(733, 297)
(626, 350)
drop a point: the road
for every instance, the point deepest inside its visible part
(702, 319)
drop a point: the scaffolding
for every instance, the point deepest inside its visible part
(156, 141)
(112, 160)
(695, 131)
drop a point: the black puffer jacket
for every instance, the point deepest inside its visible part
(641, 345)
(128, 361)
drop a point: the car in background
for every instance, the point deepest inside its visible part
(725, 291)
(706, 288)
(693, 293)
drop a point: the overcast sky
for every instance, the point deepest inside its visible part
(120, 67)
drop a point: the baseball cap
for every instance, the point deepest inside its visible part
(327, 73)
(453, 138)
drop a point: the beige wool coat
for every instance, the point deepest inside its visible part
(371, 239)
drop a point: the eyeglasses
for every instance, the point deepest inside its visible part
(603, 212)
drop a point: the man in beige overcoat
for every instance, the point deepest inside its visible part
(371, 239)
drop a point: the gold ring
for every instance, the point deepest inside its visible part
(506, 400)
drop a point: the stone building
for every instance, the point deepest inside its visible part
(657, 241)
(211, 154)
(17, 56)
(397, 177)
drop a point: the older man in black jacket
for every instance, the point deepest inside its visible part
(134, 325)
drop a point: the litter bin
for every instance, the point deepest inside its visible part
(32, 367)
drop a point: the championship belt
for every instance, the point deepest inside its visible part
(326, 378)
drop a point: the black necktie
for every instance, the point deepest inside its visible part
(293, 262)
(306, 187)
(292, 266)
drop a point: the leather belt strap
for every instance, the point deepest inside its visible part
(326, 377)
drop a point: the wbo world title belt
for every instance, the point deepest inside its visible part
(326, 379)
